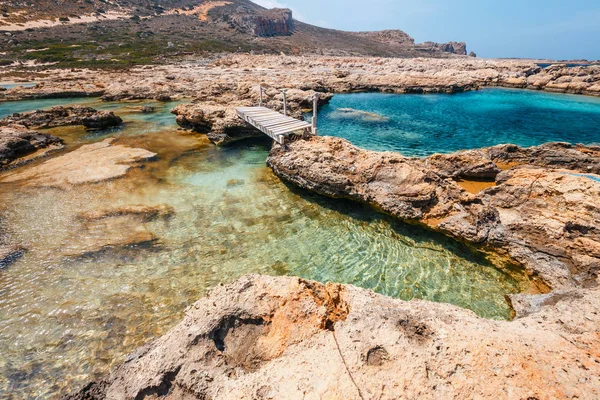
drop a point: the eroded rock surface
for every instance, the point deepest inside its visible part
(88, 164)
(237, 72)
(89, 117)
(541, 213)
(286, 338)
(17, 142)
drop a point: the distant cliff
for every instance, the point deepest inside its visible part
(398, 37)
(459, 48)
(264, 23)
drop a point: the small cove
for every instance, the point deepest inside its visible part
(420, 125)
(65, 320)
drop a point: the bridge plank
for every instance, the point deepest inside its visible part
(271, 123)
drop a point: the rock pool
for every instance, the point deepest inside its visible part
(67, 315)
(420, 125)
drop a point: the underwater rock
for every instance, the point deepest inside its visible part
(111, 232)
(287, 338)
(364, 116)
(89, 117)
(17, 142)
(541, 213)
(9, 254)
(90, 163)
(147, 109)
(146, 213)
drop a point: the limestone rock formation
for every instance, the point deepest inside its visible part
(89, 117)
(458, 48)
(16, 142)
(287, 338)
(540, 212)
(90, 163)
(228, 79)
(273, 22)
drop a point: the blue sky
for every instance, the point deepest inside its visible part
(556, 29)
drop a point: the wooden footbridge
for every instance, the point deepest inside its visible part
(276, 125)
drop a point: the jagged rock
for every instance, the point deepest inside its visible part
(220, 123)
(287, 338)
(536, 215)
(90, 163)
(63, 116)
(472, 54)
(16, 142)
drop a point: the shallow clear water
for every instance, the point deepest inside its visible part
(420, 125)
(66, 318)
(10, 85)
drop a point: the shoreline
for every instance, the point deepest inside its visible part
(503, 221)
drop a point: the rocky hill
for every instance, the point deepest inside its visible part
(126, 32)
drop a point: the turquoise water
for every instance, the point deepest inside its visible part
(420, 125)
(67, 315)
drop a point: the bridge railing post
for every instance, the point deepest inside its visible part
(260, 104)
(314, 118)
(284, 91)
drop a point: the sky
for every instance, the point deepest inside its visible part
(554, 29)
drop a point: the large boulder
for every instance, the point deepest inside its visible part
(16, 142)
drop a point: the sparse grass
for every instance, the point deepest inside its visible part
(109, 53)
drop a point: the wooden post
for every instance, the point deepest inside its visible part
(284, 101)
(314, 118)
(261, 96)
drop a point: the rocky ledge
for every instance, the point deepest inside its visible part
(286, 338)
(20, 143)
(89, 117)
(540, 207)
(89, 163)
